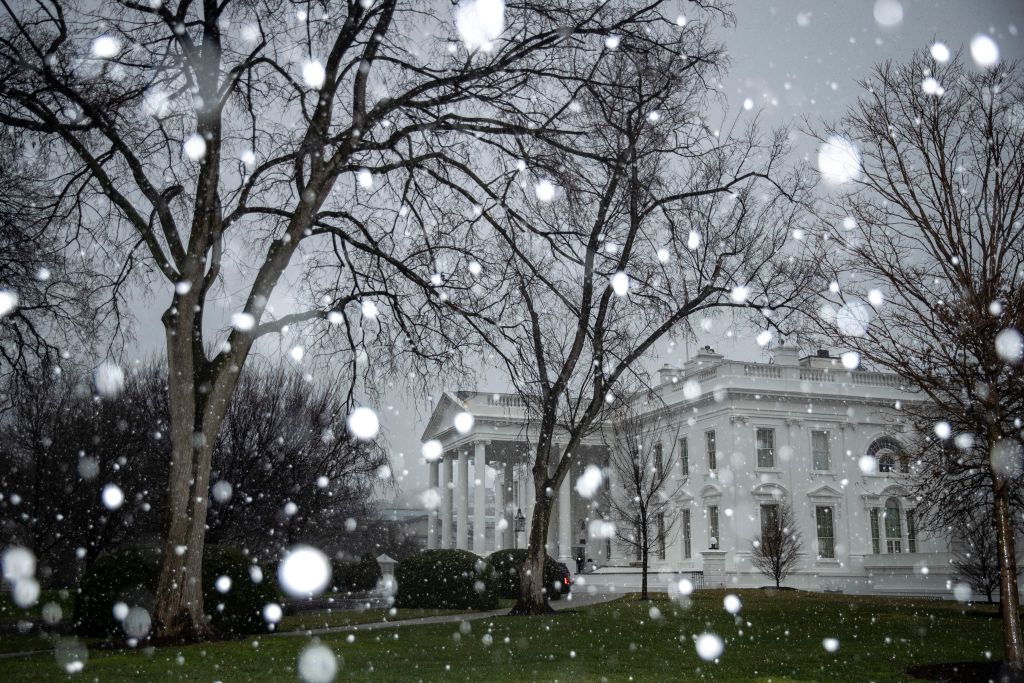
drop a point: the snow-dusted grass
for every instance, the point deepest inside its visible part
(774, 636)
(341, 618)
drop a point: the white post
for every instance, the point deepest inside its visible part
(462, 503)
(565, 520)
(531, 497)
(479, 497)
(613, 490)
(446, 502)
(432, 515)
(499, 508)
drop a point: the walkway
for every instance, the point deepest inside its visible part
(580, 600)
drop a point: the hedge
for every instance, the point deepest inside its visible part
(356, 576)
(506, 566)
(130, 575)
(447, 579)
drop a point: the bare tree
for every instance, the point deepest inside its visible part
(977, 562)
(282, 474)
(51, 292)
(60, 448)
(593, 257)
(925, 246)
(284, 470)
(776, 552)
(218, 149)
(977, 559)
(645, 483)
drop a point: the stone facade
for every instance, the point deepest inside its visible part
(752, 435)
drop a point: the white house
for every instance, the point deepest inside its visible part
(747, 436)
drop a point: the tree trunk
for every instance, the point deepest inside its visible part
(643, 576)
(1013, 647)
(179, 613)
(533, 597)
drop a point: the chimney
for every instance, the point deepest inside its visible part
(786, 355)
(668, 375)
(706, 357)
(823, 353)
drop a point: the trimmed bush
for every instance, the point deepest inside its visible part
(506, 566)
(130, 575)
(356, 576)
(447, 579)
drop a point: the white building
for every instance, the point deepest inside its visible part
(750, 435)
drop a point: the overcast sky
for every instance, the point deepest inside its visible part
(792, 59)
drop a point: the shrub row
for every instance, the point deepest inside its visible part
(130, 575)
(447, 579)
(355, 576)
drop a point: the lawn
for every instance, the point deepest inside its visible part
(776, 636)
(311, 621)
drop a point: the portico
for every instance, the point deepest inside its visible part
(490, 458)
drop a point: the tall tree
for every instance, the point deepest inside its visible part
(219, 149)
(281, 474)
(776, 552)
(50, 290)
(645, 483)
(924, 245)
(596, 256)
(977, 560)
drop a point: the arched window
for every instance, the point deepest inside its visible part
(888, 452)
(893, 527)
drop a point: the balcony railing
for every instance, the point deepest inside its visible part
(794, 373)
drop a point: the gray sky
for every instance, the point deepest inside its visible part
(792, 59)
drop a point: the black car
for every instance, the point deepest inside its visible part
(563, 584)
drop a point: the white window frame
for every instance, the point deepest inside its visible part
(711, 449)
(827, 452)
(769, 450)
(817, 531)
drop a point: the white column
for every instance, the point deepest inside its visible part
(613, 490)
(565, 520)
(433, 515)
(479, 497)
(499, 509)
(446, 501)
(531, 497)
(462, 503)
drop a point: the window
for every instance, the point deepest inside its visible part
(713, 527)
(765, 447)
(826, 531)
(876, 543)
(893, 528)
(709, 442)
(888, 451)
(659, 462)
(769, 518)
(684, 457)
(661, 535)
(687, 549)
(820, 455)
(911, 532)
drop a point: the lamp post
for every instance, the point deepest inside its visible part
(519, 523)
